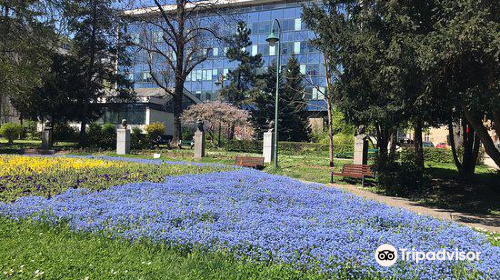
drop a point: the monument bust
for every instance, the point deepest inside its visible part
(48, 124)
(271, 126)
(200, 125)
(124, 123)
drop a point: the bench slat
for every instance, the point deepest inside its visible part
(254, 162)
(356, 171)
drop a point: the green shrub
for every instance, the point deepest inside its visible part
(442, 155)
(155, 130)
(64, 132)
(438, 155)
(101, 136)
(11, 131)
(94, 135)
(187, 133)
(289, 148)
(403, 177)
(108, 134)
(137, 139)
(30, 130)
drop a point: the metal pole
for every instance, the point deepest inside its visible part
(278, 69)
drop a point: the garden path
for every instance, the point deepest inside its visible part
(489, 222)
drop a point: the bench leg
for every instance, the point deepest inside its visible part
(331, 177)
(363, 181)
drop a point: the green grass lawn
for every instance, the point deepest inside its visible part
(32, 144)
(46, 252)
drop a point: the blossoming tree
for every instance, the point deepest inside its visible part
(216, 114)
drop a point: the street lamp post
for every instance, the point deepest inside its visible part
(274, 40)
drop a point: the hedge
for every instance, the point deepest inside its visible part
(445, 155)
(289, 148)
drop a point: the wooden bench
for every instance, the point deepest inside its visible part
(356, 171)
(189, 144)
(253, 162)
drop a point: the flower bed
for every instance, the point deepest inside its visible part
(48, 176)
(267, 218)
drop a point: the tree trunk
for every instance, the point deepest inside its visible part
(83, 127)
(471, 168)
(392, 145)
(220, 130)
(329, 108)
(177, 98)
(470, 153)
(458, 164)
(231, 132)
(419, 151)
(382, 142)
(483, 135)
(90, 74)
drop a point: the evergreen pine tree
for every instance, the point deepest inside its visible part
(98, 49)
(264, 100)
(293, 124)
(292, 117)
(244, 77)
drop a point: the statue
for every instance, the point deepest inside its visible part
(124, 123)
(200, 125)
(361, 129)
(271, 126)
(48, 124)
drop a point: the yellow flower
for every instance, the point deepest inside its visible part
(25, 165)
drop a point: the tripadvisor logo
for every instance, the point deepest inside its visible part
(387, 255)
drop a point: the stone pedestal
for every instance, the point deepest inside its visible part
(361, 149)
(47, 140)
(199, 144)
(268, 150)
(123, 141)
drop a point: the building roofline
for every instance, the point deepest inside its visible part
(208, 3)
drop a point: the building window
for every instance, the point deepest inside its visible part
(296, 48)
(145, 77)
(215, 52)
(303, 69)
(298, 24)
(312, 70)
(427, 138)
(254, 50)
(158, 36)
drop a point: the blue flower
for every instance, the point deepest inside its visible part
(266, 218)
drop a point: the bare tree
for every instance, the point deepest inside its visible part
(176, 38)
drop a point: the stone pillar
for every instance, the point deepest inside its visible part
(199, 141)
(268, 151)
(360, 149)
(123, 139)
(47, 140)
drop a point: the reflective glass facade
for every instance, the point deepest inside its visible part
(295, 36)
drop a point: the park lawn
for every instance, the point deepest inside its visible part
(55, 252)
(32, 144)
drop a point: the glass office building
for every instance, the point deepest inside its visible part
(258, 14)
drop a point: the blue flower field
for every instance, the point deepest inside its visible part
(266, 218)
